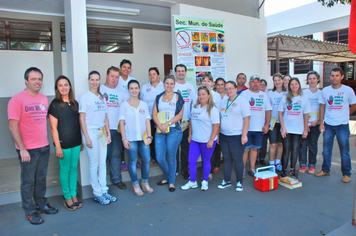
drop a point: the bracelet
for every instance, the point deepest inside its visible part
(123, 139)
(150, 137)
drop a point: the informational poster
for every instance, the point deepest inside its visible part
(201, 47)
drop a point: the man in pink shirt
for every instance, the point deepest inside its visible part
(27, 114)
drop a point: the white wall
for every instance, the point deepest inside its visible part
(246, 40)
(305, 15)
(13, 65)
(149, 48)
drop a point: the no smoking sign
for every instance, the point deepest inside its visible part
(183, 40)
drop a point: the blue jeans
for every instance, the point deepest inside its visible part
(115, 155)
(138, 147)
(311, 143)
(168, 143)
(233, 152)
(291, 144)
(342, 133)
(33, 179)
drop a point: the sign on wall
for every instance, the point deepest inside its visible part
(201, 47)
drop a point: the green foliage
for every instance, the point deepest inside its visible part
(331, 3)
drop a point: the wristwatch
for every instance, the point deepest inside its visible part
(169, 123)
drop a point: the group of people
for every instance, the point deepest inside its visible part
(153, 121)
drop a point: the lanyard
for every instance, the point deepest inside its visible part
(227, 104)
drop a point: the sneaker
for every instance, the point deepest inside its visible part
(35, 218)
(138, 165)
(239, 187)
(279, 167)
(189, 185)
(294, 173)
(302, 169)
(321, 173)
(101, 200)
(224, 184)
(272, 169)
(204, 185)
(283, 173)
(252, 172)
(346, 179)
(111, 198)
(311, 170)
(47, 209)
(123, 166)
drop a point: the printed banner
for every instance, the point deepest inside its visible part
(201, 47)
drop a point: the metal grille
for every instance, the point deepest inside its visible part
(25, 35)
(105, 39)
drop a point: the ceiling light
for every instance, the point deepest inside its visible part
(113, 10)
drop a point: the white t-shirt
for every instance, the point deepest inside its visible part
(123, 86)
(169, 107)
(337, 103)
(293, 113)
(275, 98)
(149, 93)
(259, 104)
(94, 108)
(135, 120)
(202, 123)
(114, 98)
(189, 95)
(314, 103)
(231, 116)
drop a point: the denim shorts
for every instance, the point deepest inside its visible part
(275, 134)
(254, 139)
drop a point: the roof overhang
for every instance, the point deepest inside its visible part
(299, 48)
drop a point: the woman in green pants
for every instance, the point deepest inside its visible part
(64, 119)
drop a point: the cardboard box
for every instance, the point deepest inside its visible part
(265, 180)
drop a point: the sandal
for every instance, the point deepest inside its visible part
(72, 207)
(79, 204)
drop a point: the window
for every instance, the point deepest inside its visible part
(338, 36)
(302, 66)
(283, 67)
(105, 39)
(25, 35)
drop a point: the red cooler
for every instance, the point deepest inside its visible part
(266, 180)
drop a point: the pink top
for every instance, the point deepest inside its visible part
(31, 112)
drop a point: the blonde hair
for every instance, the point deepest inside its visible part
(210, 104)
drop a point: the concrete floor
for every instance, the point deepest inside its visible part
(322, 205)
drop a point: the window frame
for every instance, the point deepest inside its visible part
(26, 31)
(97, 39)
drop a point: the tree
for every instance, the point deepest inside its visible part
(331, 3)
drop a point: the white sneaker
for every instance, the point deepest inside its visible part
(204, 185)
(239, 187)
(189, 185)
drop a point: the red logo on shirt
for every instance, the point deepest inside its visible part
(234, 105)
(148, 90)
(261, 96)
(289, 107)
(252, 101)
(142, 111)
(189, 90)
(331, 100)
(171, 104)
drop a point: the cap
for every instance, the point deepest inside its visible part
(255, 77)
